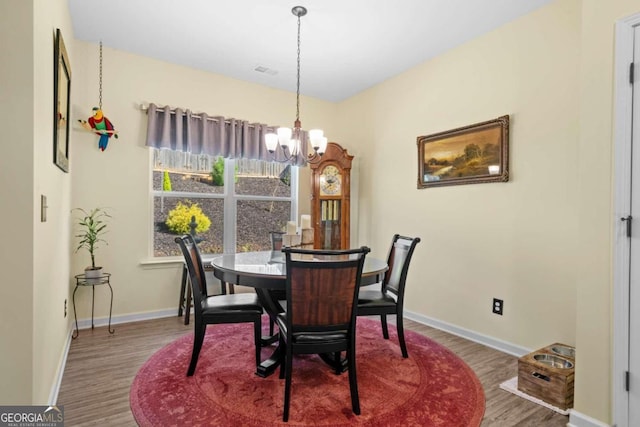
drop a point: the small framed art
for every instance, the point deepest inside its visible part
(61, 103)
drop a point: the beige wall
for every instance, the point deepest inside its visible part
(34, 262)
(16, 262)
(119, 177)
(543, 241)
(506, 240)
(51, 273)
(516, 241)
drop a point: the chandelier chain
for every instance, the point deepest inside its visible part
(290, 140)
(100, 92)
(298, 70)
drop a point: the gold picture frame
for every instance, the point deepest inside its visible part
(473, 154)
(61, 103)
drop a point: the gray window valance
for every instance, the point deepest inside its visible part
(181, 130)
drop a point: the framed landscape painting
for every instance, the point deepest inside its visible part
(471, 154)
(61, 103)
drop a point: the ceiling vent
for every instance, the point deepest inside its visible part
(266, 70)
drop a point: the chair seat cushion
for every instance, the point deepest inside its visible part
(232, 302)
(310, 337)
(371, 298)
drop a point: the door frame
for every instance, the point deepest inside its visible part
(623, 122)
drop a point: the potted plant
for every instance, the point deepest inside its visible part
(92, 228)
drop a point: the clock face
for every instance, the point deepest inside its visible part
(330, 181)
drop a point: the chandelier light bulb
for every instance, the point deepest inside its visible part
(323, 145)
(315, 136)
(271, 141)
(284, 137)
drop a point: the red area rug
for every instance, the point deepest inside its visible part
(433, 387)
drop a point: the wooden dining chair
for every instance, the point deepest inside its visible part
(185, 300)
(215, 309)
(390, 298)
(322, 288)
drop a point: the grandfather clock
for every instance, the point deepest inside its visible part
(331, 198)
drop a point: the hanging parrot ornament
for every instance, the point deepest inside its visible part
(100, 125)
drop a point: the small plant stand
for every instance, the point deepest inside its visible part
(83, 281)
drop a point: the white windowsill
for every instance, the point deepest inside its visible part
(169, 262)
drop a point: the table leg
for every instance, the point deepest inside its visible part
(271, 306)
(335, 361)
(268, 367)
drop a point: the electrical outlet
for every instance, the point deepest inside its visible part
(498, 305)
(65, 307)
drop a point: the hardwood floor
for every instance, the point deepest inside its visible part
(100, 369)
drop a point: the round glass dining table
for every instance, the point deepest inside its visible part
(266, 272)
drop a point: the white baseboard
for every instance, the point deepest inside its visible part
(577, 419)
(102, 321)
(55, 388)
(503, 346)
(125, 318)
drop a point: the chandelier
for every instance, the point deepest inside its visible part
(290, 139)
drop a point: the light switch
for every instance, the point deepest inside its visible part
(43, 208)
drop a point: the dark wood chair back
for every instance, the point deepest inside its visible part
(322, 288)
(398, 261)
(196, 271)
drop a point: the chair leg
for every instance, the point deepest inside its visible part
(183, 288)
(287, 383)
(271, 325)
(257, 337)
(400, 329)
(198, 338)
(281, 359)
(353, 382)
(187, 306)
(385, 329)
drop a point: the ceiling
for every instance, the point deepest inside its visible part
(347, 46)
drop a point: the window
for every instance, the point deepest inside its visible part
(241, 199)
